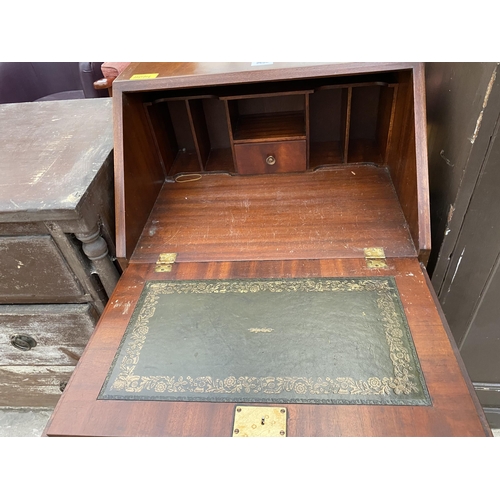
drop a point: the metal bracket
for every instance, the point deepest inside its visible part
(375, 258)
(259, 421)
(164, 262)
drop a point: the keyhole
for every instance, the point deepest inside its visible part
(263, 421)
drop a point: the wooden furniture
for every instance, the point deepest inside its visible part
(56, 238)
(272, 171)
(464, 111)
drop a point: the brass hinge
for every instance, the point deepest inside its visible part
(259, 421)
(164, 262)
(375, 258)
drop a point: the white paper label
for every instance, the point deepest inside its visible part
(261, 63)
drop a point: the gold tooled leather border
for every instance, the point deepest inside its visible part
(403, 381)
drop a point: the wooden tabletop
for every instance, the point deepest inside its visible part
(50, 152)
(162, 75)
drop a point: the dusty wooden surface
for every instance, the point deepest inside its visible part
(42, 168)
(453, 412)
(61, 332)
(32, 386)
(33, 270)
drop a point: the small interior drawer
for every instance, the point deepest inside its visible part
(271, 157)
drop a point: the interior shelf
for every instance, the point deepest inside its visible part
(272, 127)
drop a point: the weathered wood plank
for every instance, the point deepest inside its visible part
(32, 386)
(60, 331)
(32, 269)
(43, 171)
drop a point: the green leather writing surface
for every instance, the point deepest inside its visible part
(314, 340)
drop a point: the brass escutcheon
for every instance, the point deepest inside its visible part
(259, 421)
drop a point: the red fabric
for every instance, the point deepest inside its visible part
(113, 69)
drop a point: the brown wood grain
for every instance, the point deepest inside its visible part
(199, 130)
(139, 173)
(325, 153)
(453, 412)
(408, 161)
(329, 213)
(272, 127)
(193, 74)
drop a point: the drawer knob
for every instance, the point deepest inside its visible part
(270, 160)
(23, 342)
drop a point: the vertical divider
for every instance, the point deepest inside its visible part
(346, 121)
(306, 107)
(199, 130)
(391, 123)
(230, 111)
(163, 134)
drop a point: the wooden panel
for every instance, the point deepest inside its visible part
(163, 133)
(272, 127)
(325, 110)
(463, 102)
(220, 160)
(48, 154)
(325, 153)
(326, 127)
(200, 131)
(33, 270)
(193, 74)
(324, 214)
(139, 173)
(407, 159)
(364, 112)
(387, 108)
(61, 332)
(32, 386)
(472, 278)
(481, 346)
(216, 119)
(453, 412)
(289, 156)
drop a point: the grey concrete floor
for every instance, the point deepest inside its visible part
(23, 422)
(31, 422)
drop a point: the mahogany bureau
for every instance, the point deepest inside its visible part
(273, 224)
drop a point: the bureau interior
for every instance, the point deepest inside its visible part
(282, 127)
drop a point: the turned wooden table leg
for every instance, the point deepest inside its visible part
(95, 248)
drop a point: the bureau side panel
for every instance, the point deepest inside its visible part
(407, 158)
(139, 174)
